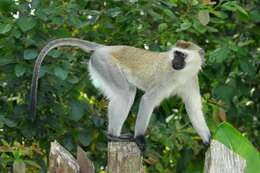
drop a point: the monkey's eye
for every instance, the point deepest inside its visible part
(180, 54)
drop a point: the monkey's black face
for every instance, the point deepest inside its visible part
(178, 61)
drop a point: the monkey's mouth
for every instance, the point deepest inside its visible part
(178, 65)
(178, 61)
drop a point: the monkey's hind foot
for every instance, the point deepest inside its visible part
(122, 138)
(140, 142)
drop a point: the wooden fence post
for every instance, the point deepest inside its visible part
(61, 161)
(220, 159)
(124, 157)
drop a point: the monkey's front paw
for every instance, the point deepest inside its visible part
(140, 141)
(206, 140)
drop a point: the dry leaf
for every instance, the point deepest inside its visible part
(18, 166)
(203, 17)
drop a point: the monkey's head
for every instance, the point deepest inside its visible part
(186, 55)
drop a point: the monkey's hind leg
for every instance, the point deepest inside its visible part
(118, 109)
(119, 91)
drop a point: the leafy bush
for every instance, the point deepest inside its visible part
(71, 110)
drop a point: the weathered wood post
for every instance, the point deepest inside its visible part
(220, 159)
(61, 161)
(124, 157)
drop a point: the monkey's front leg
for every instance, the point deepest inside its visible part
(190, 95)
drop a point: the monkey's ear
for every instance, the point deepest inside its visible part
(202, 52)
(183, 44)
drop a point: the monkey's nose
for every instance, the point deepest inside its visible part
(178, 63)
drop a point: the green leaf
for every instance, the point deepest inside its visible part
(32, 163)
(203, 17)
(245, 43)
(220, 14)
(73, 79)
(229, 6)
(84, 138)
(59, 21)
(55, 53)
(62, 32)
(17, 33)
(233, 6)
(26, 23)
(113, 12)
(60, 73)
(162, 27)
(5, 61)
(255, 16)
(5, 5)
(35, 3)
(234, 140)
(44, 70)
(155, 15)
(77, 110)
(212, 29)
(169, 13)
(240, 9)
(159, 167)
(246, 66)
(4, 28)
(30, 54)
(42, 14)
(186, 156)
(184, 26)
(224, 92)
(9, 122)
(19, 70)
(195, 2)
(219, 55)
(75, 21)
(199, 27)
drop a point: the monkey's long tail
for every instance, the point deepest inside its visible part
(86, 46)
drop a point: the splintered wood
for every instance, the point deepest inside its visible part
(123, 157)
(61, 161)
(220, 159)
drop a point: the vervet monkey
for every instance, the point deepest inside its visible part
(122, 69)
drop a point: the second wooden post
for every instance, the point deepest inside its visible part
(124, 157)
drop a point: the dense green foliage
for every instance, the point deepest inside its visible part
(72, 111)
